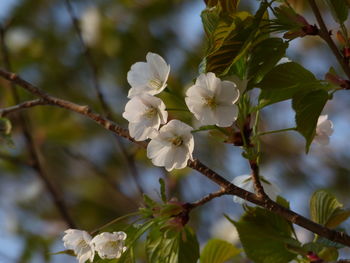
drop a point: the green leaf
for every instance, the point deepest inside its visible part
(339, 10)
(338, 217)
(162, 190)
(328, 243)
(218, 251)
(231, 39)
(210, 19)
(326, 210)
(308, 107)
(265, 236)
(172, 247)
(265, 56)
(329, 254)
(284, 81)
(188, 246)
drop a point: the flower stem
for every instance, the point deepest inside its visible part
(114, 221)
(277, 131)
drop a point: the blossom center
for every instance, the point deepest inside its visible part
(113, 245)
(150, 113)
(155, 84)
(210, 102)
(83, 244)
(176, 141)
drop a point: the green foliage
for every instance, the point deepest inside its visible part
(327, 252)
(218, 251)
(228, 6)
(229, 37)
(284, 81)
(326, 210)
(264, 57)
(308, 106)
(172, 246)
(265, 236)
(339, 9)
(287, 20)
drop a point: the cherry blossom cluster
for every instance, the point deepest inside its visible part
(211, 100)
(107, 245)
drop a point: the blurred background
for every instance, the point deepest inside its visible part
(98, 177)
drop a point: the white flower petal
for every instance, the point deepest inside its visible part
(241, 84)
(140, 131)
(212, 100)
(80, 242)
(148, 77)
(158, 65)
(145, 113)
(172, 147)
(229, 92)
(324, 129)
(226, 115)
(109, 245)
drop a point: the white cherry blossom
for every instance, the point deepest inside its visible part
(324, 129)
(80, 242)
(148, 77)
(109, 245)
(246, 182)
(172, 147)
(145, 114)
(212, 100)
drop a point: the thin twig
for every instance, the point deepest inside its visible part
(105, 107)
(101, 174)
(195, 164)
(88, 56)
(81, 109)
(21, 106)
(207, 198)
(24, 123)
(325, 35)
(259, 189)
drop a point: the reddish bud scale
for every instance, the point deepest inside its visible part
(341, 38)
(346, 52)
(314, 258)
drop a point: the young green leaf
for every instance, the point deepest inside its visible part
(218, 251)
(265, 236)
(308, 106)
(162, 190)
(172, 247)
(188, 246)
(284, 81)
(265, 56)
(326, 210)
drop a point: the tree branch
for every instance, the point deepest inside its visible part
(195, 164)
(105, 107)
(206, 199)
(325, 35)
(36, 163)
(81, 109)
(21, 106)
(259, 189)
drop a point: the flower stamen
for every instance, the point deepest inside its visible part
(155, 84)
(210, 102)
(176, 141)
(150, 113)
